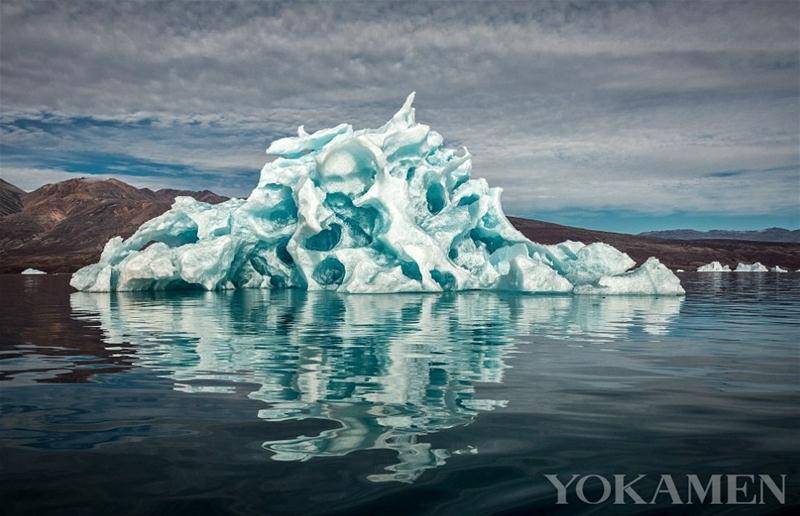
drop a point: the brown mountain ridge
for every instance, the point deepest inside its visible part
(63, 226)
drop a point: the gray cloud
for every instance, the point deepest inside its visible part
(598, 105)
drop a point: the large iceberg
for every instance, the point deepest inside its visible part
(714, 267)
(750, 267)
(372, 210)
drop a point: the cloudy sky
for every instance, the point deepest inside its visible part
(619, 116)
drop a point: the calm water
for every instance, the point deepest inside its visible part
(273, 402)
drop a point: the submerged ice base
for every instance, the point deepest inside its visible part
(373, 210)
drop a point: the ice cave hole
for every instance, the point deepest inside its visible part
(436, 198)
(326, 239)
(329, 271)
(411, 270)
(445, 280)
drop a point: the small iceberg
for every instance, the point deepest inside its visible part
(778, 268)
(32, 271)
(362, 211)
(714, 267)
(751, 267)
(651, 278)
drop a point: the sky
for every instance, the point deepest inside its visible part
(627, 116)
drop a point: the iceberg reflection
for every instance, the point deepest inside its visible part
(387, 369)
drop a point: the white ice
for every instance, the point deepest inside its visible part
(372, 210)
(750, 267)
(651, 278)
(778, 268)
(714, 267)
(32, 271)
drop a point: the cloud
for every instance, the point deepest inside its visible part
(589, 105)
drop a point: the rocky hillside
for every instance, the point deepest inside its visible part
(62, 227)
(676, 254)
(10, 198)
(764, 235)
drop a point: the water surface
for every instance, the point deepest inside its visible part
(287, 401)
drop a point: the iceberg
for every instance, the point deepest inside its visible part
(651, 278)
(778, 268)
(714, 267)
(390, 209)
(750, 267)
(32, 271)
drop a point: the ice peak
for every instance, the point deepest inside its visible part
(406, 113)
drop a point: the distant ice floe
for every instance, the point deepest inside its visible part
(714, 267)
(741, 267)
(362, 211)
(751, 267)
(32, 271)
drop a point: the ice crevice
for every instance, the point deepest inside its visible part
(390, 209)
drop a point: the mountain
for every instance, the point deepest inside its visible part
(675, 254)
(63, 226)
(10, 198)
(764, 235)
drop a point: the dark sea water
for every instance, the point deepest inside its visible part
(259, 402)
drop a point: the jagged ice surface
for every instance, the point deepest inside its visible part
(750, 267)
(373, 210)
(714, 267)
